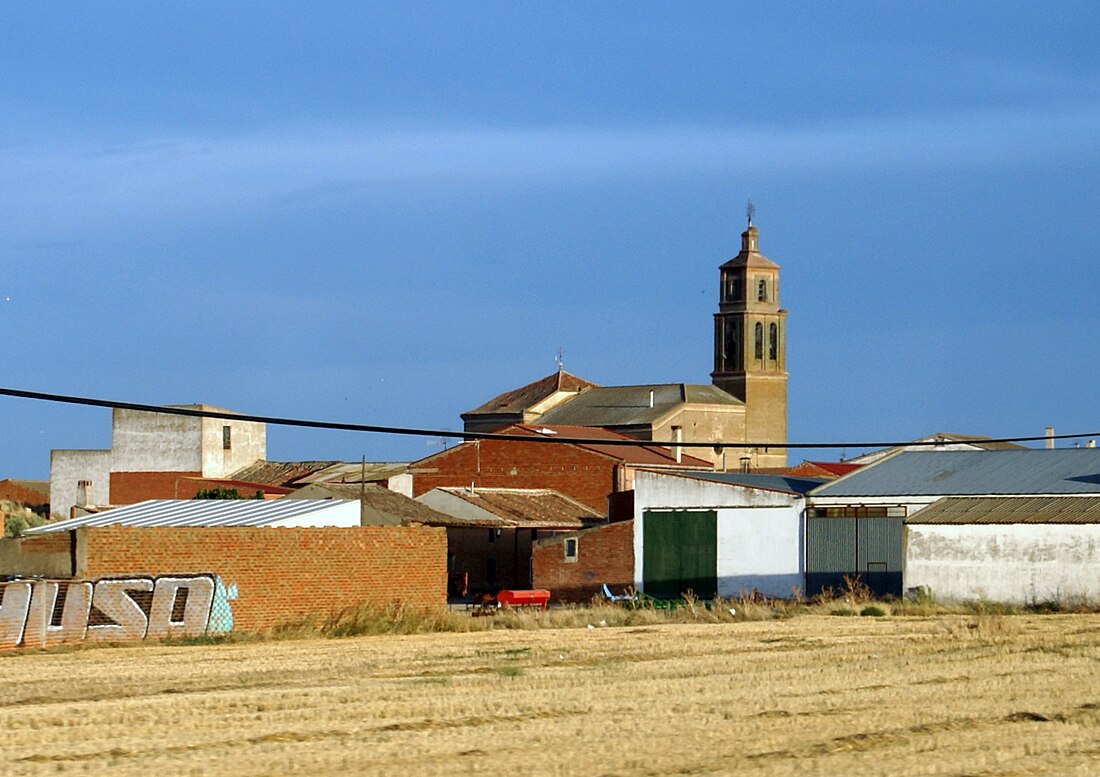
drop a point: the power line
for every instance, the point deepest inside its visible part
(542, 438)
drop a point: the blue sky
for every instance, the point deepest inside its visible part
(388, 213)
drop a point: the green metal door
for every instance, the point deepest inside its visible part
(680, 553)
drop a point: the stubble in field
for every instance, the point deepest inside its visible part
(813, 695)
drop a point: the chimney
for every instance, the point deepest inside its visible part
(83, 487)
(651, 398)
(1090, 443)
(677, 438)
(1049, 433)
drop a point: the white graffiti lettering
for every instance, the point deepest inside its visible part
(44, 613)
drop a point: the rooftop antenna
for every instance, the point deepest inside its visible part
(560, 359)
(750, 211)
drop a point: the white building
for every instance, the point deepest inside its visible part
(1018, 550)
(143, 441)
(721, 534)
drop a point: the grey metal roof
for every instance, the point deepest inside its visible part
(962, 473)
(197, 512)
(787, 483)
(1010, 509)
(613, 406)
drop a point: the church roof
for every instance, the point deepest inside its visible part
(637, 455)
(750, 256)
(518, 400)
(612, 406)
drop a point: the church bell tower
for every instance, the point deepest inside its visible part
(750, 345)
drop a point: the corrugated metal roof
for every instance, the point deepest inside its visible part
(787, 483)
(962, 473)
(1008, 509)
(612, 406)
(198, 512)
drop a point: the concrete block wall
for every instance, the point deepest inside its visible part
(605, 554)
(284, 575)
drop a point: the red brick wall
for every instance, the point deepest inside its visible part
(286, 575)
(586, 476)
(605, 554)
(13, 492)
(129, 488)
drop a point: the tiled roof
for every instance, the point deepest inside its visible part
(812, 469)
(638, 455)
(1030, 471)
(529, 508)
(1009, 510)
(355, 472)
(280, 473)
(612, 406)
(518, 400)
(382, 504)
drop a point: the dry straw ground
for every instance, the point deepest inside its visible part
(949, 694)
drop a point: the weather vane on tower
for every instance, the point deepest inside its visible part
(750, 211)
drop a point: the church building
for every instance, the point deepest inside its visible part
(746, 402)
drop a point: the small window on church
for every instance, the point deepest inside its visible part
(762, 291)
(227, 438)
(735, 288)
(773, 342)
(759, 342)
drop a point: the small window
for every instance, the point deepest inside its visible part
(762, 290)
(227, 438)
(570, 549)
(759, 341)
(491, 572)
(773, 342)
(493, 534)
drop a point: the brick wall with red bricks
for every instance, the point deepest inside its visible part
(586, 476)
(15, 492)
(605, 554)
(129, 488)
(285, 575)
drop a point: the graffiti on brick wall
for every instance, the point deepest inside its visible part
(44, 613)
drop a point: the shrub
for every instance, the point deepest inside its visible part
(872, 611)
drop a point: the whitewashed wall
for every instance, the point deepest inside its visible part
(68, 468)
(1011, 563)
(760, 548)
(760, 532)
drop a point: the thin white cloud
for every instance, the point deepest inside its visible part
(51, 187)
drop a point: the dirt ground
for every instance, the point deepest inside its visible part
(973, 695)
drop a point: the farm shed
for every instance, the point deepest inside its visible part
(718, 534)
(855, 525)
(1020, 550)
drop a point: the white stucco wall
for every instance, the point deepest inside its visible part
(155, 442)
(760, 533)
(68, 468)
(1012, 563)
(248, 444)
(760, 548)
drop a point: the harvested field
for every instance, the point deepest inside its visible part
(976, 695)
